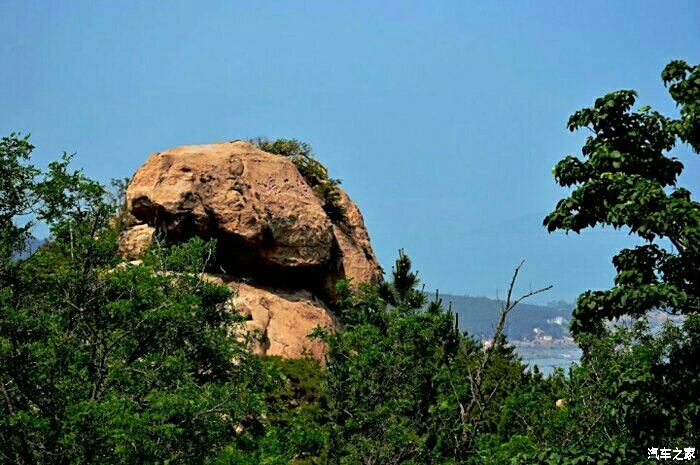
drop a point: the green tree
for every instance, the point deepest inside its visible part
(16, 197)
(627, 178)
(404, 385)
(106, 363)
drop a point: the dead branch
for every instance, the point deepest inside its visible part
(476, 379)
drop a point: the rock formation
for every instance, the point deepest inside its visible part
(284, 319)
(356, 258)
(134, 241)
(280, 251)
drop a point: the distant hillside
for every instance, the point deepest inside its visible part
(32, 244)
(478, 316)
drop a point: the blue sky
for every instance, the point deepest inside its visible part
(444, 120)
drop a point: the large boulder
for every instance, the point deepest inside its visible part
(277, 247)
(256, 204)
(270, 225)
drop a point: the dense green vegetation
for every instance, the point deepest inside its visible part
(102, 362)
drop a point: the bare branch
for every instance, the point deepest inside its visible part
(10, 408)
(476, 379)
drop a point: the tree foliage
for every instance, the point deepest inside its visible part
(101, 363)
(404, 384)
(16, 196)
(626, 178)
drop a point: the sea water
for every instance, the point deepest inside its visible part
(548, 357)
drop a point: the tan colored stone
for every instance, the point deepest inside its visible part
(279, 320)
(134, 241)
(255, 202)
(270, 227)
(284, 319)
(357, 261)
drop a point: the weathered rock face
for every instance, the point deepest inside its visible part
(279, 320)
(256, 204)
(284, 319)
(271, 229)
(134, 241)
(356, 260)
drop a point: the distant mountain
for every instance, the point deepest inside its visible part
(32, 244)
(479, 315)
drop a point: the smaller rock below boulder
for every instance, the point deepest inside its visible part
(284, 319)
(134, 241)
